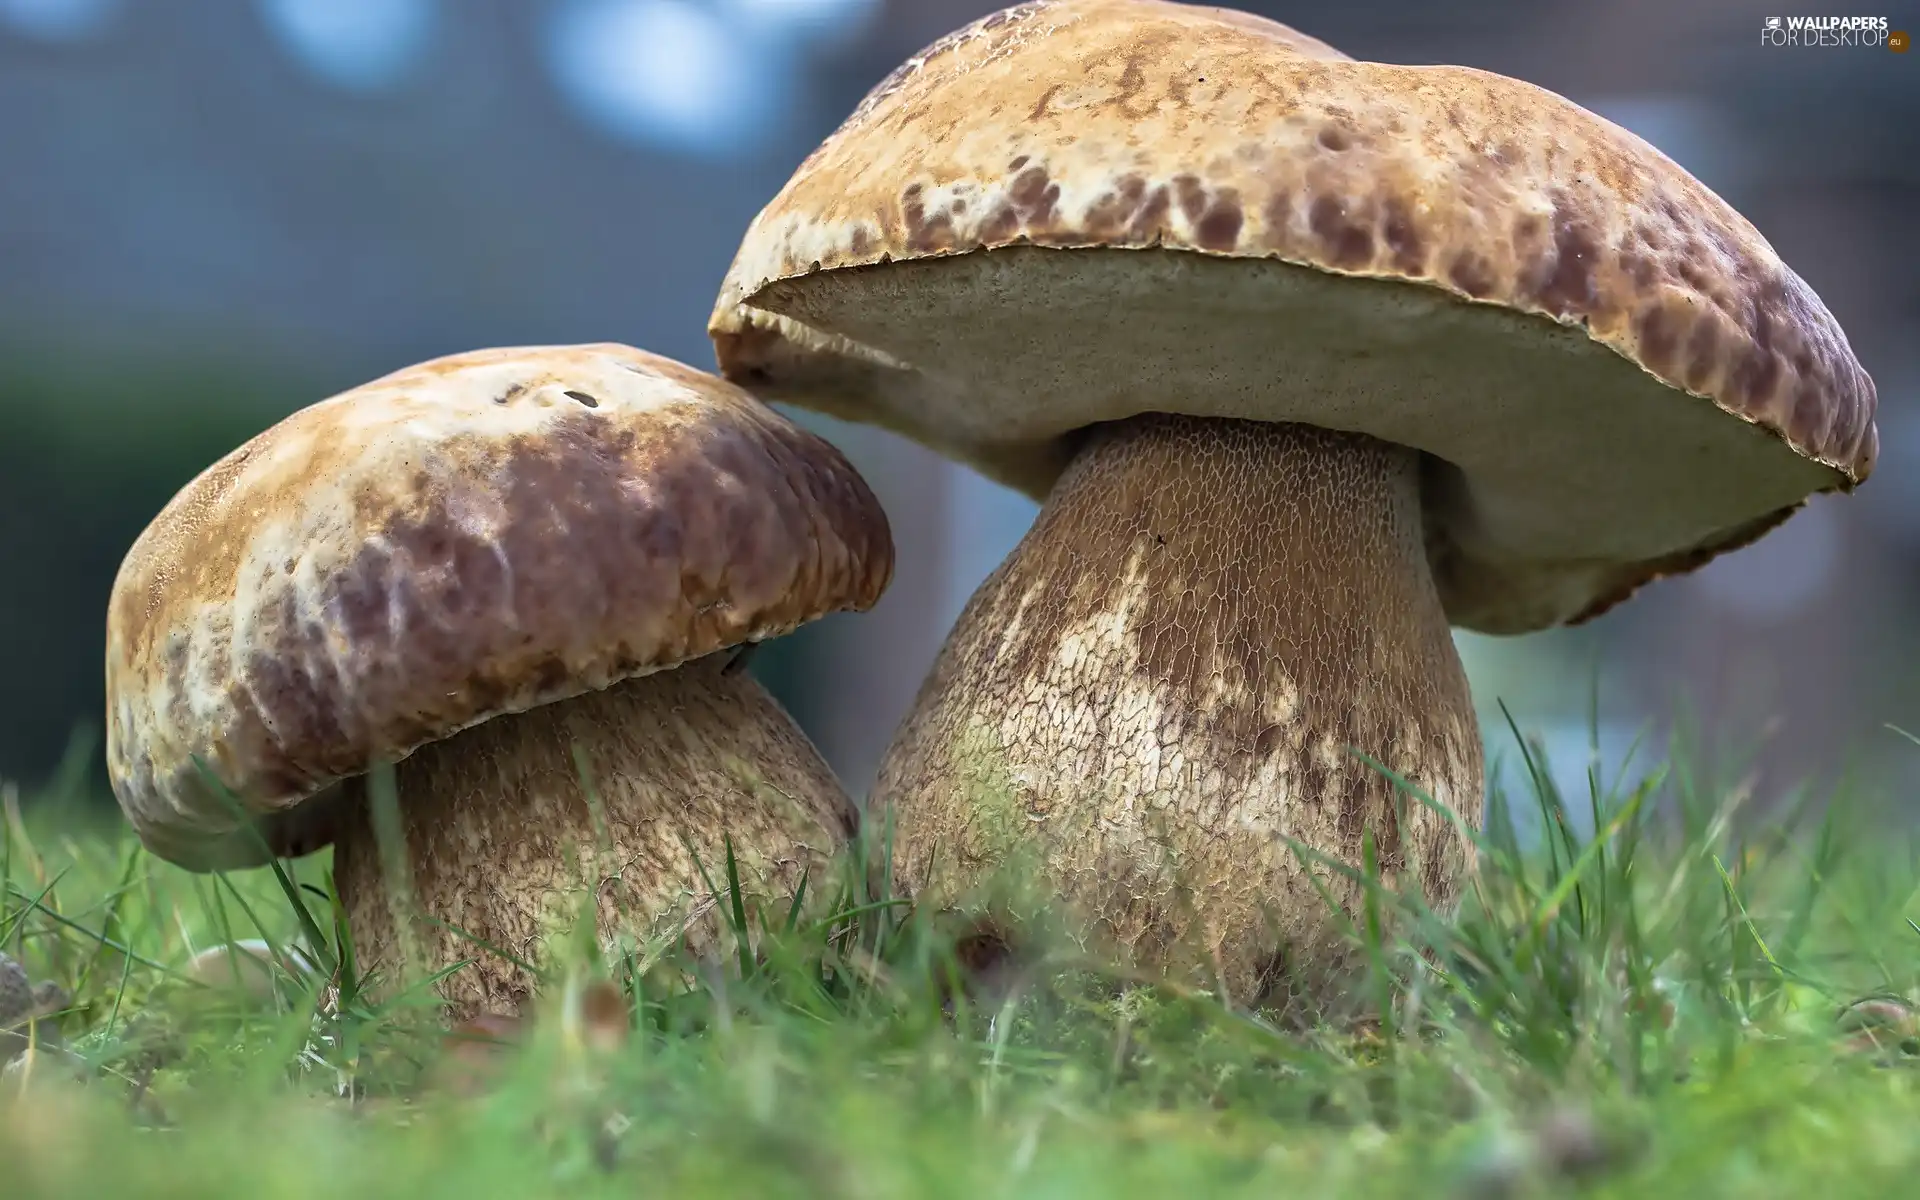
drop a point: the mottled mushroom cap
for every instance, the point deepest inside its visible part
(476, 535)
(1076, 211)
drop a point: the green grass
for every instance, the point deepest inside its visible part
(1651, 1010)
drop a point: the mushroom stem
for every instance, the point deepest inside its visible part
(1162, 683)
(502, 840)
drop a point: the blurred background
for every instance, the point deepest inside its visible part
(213, 213)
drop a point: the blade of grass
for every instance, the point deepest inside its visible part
(308, 926)
(1569, 880)
(742, 932)
(119, 948)
(34, 902)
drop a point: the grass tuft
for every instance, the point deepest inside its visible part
(1647, 991)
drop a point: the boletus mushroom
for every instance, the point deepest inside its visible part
(516, 574)
(1309, 359)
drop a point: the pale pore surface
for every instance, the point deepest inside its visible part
(1163, 681)
(1561, 473)
(500, 841)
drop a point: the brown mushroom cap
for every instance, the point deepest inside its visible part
(478, 535)
(1610, 372)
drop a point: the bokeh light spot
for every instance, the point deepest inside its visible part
(669, 74)
(57, 20)
(356, 45)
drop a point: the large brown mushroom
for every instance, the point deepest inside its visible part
(1309, 359)
(511, 572)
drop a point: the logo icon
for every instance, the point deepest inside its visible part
(1862, 32)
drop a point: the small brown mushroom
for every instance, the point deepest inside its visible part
(494, 570)
(26, 1010)
(1309, 359)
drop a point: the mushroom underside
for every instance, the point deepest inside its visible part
(1156, 708)
(1560, 470)
(605, 807)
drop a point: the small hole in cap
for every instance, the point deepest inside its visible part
(583, 398)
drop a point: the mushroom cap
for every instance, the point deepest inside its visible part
(476, 535)
(248, 966)
(1077, 211)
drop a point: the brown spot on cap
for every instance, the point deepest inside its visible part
(1219, 226)
(1566, 281)
(1402, 235)
(1659, 332)
(1114, 211)
(1344, 240)
(1034, 196)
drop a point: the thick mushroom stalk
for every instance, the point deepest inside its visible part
(1165, 690)
(503, 843)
